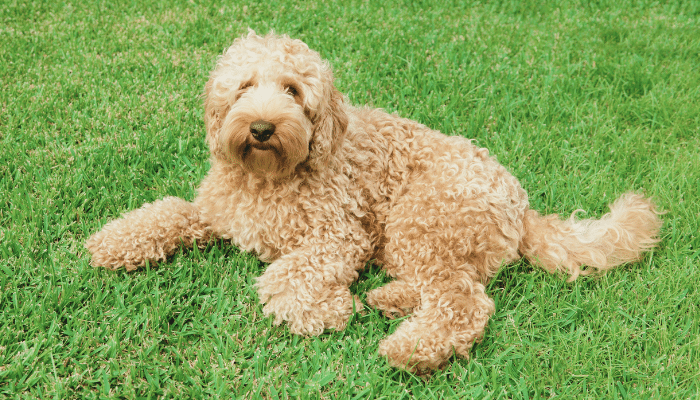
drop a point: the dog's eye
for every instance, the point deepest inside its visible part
(292, 90)
(242, 89)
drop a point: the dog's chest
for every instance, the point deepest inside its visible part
(268, 220)
(264, 226)
(259, 227)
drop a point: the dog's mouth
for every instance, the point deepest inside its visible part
(267, 150)
(261, 146)
(254, 146)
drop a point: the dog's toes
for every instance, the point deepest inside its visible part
(417, 347)
(414, 354)
(396, 298)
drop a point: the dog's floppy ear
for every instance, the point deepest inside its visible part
(215, 110)
(329, 130)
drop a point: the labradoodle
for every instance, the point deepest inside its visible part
(317, 188)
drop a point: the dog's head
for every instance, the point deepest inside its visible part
(271, 106)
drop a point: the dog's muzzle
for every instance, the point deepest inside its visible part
(262, 130)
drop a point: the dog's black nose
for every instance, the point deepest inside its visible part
(262, 130)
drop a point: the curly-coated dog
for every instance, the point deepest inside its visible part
(317, 188)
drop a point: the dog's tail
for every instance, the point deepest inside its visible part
(620, 236)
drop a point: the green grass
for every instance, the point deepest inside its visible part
(100, 111)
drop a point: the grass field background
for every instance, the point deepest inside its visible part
(100, 111)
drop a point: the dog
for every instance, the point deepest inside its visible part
(317, 188)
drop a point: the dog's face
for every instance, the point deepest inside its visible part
(271, 106)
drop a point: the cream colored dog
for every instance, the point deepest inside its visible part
(317, 188)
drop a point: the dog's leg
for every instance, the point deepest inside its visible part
(448, 321)
(447, 236)
(308, 287)
(150, 233)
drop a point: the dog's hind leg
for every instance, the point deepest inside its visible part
(148, 234)
(448, 321)
(445, 239)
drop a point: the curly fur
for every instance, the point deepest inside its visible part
(336, 186)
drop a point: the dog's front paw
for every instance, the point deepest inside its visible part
(310, 313)
(148, 234)
(115, 246)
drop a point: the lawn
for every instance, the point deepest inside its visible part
(101, 111)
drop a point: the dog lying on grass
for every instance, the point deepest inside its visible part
(317, 188)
